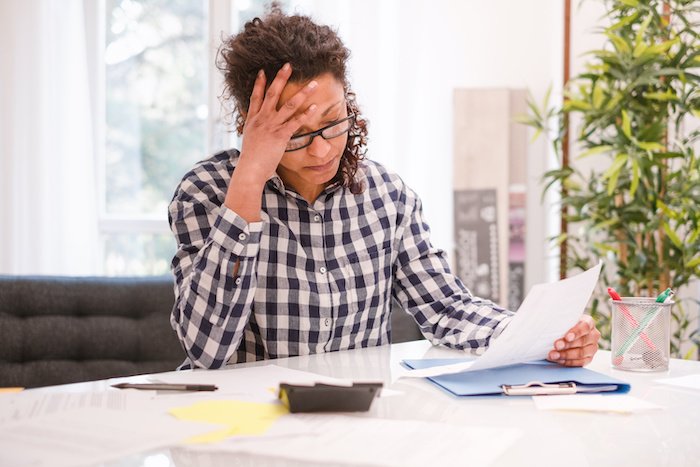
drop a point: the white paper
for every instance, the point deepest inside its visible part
(687, 381)
(546, 314)
(341, 439)
(29, 404)
(253, 384)
(594, 403)
(89, 436)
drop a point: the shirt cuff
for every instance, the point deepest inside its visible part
(501, 326)
(236, 235)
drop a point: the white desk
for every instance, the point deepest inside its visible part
(653, 438)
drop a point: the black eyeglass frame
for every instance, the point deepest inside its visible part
(320, 131)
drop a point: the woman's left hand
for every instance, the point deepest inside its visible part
(578, 346)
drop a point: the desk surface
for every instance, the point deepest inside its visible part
(658, 437)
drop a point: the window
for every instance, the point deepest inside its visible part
(156, 77)
(162, 114)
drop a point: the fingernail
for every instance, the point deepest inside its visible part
(559, 345)
(570, 337)
(286, 67)
(312, 84)
(260, 73)
(554, 355)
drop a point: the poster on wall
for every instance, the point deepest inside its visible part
(476, 239)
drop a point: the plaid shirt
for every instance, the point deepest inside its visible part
(311, 278)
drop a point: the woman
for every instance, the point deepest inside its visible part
(297, 244)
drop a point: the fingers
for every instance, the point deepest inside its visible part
(584, 326)
(294, 123)
(266, 102)
(294, 103)
(578, 346)
(577, 356)
(256, 98)
(273, 93)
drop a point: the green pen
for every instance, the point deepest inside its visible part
(665, 295)
(662, 298)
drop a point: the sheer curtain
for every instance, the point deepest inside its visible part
(48, 205)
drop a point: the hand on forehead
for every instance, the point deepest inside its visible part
(328, 96)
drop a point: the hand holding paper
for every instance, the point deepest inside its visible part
(547, 313)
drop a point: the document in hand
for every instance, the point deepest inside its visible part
(535, 378)
(546, 314)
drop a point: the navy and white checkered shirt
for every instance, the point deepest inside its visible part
(311, 278)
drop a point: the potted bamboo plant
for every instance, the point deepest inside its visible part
(637, 205)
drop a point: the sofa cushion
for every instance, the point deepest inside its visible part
(58, 330)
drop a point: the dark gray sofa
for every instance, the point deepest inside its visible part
(57, 330)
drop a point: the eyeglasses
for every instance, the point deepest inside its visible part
(331, 131)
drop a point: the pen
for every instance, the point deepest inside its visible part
(166, 387)
(626, 312)
(665, 295)
(662, 298)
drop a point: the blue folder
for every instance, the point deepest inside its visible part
(524, 375)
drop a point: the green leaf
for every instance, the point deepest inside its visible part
(631, 3)
(619, 43)
(536, 135)
(635, 177)
(693, 263)
(561, 238)
(576, 105)
(672, 236)
(626, 125)
(669, 95)
(639, 37)
(624, 21)
(525, 119)
(662, 47)
(613, 172)
(640, 49)
(598, 96)
(664, 208)
(595, 150)
(694, 236)
(614, 100)
(649, 145)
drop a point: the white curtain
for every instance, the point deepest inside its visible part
(48, 194)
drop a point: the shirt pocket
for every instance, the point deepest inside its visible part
(229, 287)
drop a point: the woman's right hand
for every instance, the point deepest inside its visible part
(267, 130)
(266, 133)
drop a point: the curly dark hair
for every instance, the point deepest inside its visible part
(268, 43)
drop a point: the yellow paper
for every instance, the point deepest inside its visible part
(236, 417)
(10, 390)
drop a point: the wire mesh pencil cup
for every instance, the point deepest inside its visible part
(641, 334)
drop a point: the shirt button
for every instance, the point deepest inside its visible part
(241, 236)
(317, 218)
(322, 270)
(238, 281)
(327, 322)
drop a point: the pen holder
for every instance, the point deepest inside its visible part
(641, 334)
